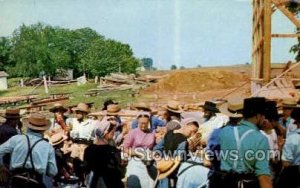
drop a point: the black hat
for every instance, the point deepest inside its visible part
(296, 114)
(211, 106)
(271, 112)
(254, 106)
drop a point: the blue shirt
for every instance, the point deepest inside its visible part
(194, 177)
(43, 153)
(291, 149)
(286, 123)
(253, 153)
(155, 122)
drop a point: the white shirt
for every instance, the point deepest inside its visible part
(213, 123)
(82, 130)
(291, 127)
(273, 141)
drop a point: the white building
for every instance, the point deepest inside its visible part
(3, 80)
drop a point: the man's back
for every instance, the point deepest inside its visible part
(251, 154)
(43, 154)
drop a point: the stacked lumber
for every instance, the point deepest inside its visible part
(125, 82)
(16, 99)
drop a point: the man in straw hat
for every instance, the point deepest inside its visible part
(155, 122)
(30, 154)
(59, 122)
(82, 137)
(82, 126)
(64, 169)
(112, 115)
(287, 109)
(241, 167)
(174, 110)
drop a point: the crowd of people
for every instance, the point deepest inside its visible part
(235, 143)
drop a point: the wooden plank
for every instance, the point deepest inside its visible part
(267, 41)
(285, 35)
(287, 13)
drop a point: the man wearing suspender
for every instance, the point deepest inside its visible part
(244, 151)
(30, 154)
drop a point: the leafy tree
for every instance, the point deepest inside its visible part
(173, 67)
(5, 47)
(147, 63)
(42, 48)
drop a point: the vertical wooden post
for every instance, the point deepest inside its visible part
(267, 40)
(45, 84)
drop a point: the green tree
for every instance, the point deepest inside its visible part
(42, 48)
(173, 67)
(147, 63)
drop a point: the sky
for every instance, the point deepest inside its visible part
(184, 33)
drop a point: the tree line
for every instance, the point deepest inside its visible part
(39, 48)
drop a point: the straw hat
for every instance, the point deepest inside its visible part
(82, 107)
(113, 109)
(58, 107)
(165, 167)
(57, 139)
(142, 106)
(37, 122)
(232, 109)
(13, 113)
(173, 106)
(289, 103)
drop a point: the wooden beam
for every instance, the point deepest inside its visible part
(285, 35)
(272, 81)
(287, 13)
(267, 40)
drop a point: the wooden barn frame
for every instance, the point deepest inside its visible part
(262, 36)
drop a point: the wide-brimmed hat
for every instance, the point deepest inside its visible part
(211, 106)
(57, 139)
(173, 106)
(254, 106)
(113, 110)
(142, 106)
(58, 107)
(82, 107)
(289, 103)
(13, 113)
(165, 167)
(271, 111)
(233, 109)
(37, 122)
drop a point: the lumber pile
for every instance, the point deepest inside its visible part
(16, 99)
(125, 82)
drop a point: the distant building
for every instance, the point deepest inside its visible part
(3, 80)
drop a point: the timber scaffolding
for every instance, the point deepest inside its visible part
(261, 83)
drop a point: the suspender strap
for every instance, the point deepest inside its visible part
(188, 167)
(29, 153)
(238, 143)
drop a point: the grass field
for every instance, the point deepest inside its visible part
(123, 97)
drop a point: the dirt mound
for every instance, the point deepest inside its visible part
(187, 81)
